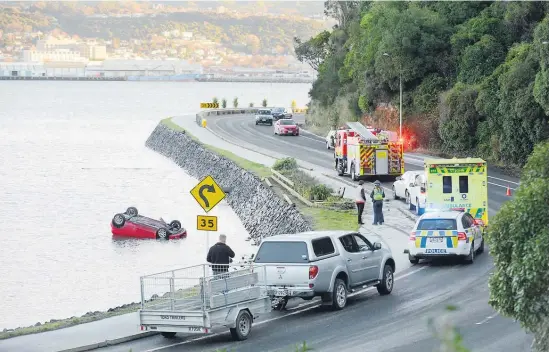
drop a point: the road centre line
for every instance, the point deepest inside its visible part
(312, 306)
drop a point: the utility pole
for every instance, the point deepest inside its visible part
(400, 91)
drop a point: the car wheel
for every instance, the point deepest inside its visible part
(162, 233)
(470, 259)
(327, 145)
(243, 326)
(394, 193)
(256, 123)
(339, 168)
(175, 225)
(339, 296)
(417, 206)
(409, 201)
(118, 220)
(412, 259)
(385, 287)
(481, 248)
(168, 335)
(132, 211)
(270, 124)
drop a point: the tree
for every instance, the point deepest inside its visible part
(251, 105)
(264, 103)
(215, 100)
(235, 102)
(224, 103)
(519, 242)
(314, 50)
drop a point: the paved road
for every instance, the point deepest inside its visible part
(396, 323)
(238, 128)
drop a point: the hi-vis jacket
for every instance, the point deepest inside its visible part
(377, 194)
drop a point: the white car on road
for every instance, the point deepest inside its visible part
(442, 234)
(411, 186)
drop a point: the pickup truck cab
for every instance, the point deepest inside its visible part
(326, 264)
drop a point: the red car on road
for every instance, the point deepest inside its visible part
(131, 224)
(285, 127)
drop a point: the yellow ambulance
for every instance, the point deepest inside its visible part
(458, 184)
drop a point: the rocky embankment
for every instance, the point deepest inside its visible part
(261, 211)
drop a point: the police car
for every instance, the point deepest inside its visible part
(440, 234)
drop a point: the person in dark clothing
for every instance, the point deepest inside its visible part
(220, 256)
(377, 196)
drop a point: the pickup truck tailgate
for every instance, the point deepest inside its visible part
(287, 274)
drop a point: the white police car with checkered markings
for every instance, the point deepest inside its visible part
(442, 234)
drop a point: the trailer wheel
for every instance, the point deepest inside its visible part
(243, 326)
(168, 335)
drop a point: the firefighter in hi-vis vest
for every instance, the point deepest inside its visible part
(377, 196)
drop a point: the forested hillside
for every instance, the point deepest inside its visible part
(475, 75)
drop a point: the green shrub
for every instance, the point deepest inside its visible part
(320, 192)
(285, 164)
(224, 103)
(235, 102)
(215, 100)
(251, 105)
(264, 103)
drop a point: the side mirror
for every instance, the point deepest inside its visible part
(252, 256)
(412, 184)
(377, 246)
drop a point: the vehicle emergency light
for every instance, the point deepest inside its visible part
(313, 271)
(478, 222)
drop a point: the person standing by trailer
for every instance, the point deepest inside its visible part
(220, 256)
(377, 196)
(360, 200)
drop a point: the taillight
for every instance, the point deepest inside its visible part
(413, 236)
(313, 271)
(462, 236)
(478, 222)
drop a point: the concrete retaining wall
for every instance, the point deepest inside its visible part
(261, 211)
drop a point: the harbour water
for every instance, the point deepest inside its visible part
(71, 155)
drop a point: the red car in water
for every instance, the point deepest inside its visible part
(131, 224)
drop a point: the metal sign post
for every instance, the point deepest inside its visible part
(207, 194)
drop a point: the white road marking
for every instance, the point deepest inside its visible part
(312, 304)
(487, 318)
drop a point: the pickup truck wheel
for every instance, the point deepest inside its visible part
(243, 326)
(339, 296)
(385, 287)
(168, 335)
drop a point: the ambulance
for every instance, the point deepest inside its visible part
(458, 184)
(362, 152)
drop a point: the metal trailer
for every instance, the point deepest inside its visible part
(192, 300)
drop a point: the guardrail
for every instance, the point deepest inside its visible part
(234, 111)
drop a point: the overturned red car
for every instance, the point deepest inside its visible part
(131, 224)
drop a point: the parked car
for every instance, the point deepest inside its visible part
(131, 224)
(264, 117)
(411, 186)
(286, 127)
(328, 264)
(330, 139)
(443, 234)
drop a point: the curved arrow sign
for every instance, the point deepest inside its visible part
(207, 193)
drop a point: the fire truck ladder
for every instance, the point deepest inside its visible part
(367, 136)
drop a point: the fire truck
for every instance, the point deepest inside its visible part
(365, 152)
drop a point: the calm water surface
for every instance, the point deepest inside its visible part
(71, 155)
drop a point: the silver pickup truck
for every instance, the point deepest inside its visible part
(329, 264)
